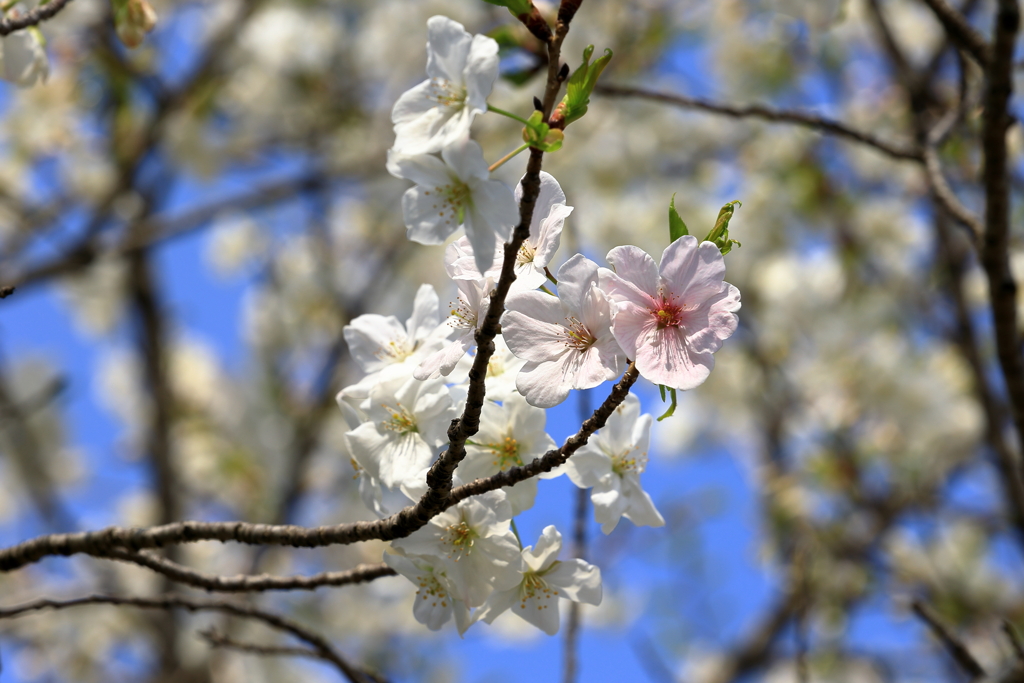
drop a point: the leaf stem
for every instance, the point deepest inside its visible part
(508, 114)
(497, 164)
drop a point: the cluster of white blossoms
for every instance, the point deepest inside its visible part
(468, 561)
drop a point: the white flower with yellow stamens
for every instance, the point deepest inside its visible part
(407, 422)
(454, 191)
(544, 581)
(510, 435)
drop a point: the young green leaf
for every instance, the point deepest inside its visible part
(676, 226)
(720, 233)
(578, 89)
(672, 408)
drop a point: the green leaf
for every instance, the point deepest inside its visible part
(720, 233)
(516, 7)
(672, 408)
(540, 135)
(676, 226)
(579, 87)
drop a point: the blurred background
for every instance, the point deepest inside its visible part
(190, 224)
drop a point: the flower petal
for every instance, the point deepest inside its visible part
(635, 266)
(448, 45)
(481, 71)
(426, 222)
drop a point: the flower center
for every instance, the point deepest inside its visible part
(526, 254)
(463, 315)
(577, 336)
(431, 589)
(506, 453)
(460, 538)
(668, 313)
(401, 422)
(630, 461)
(396, 350)
(446, 93)
(451, 202)
(534, 587)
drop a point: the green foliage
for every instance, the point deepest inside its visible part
(676, 226)
(516, 7)
(540, 135)
(672, 408)
(577, 91)
(720, 233)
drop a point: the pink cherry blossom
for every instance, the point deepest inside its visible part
(672, 321)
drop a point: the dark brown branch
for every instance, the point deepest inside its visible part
(399, 525)
(252, 584)
(6, 291)
(995, 254)
(323, 648)
(581, 508)
(40, 14)
(439, 478)
(956, 649)
(805, 119)
(961, 32)
(940, 189)
(216, 639)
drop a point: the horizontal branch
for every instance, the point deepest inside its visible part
(399, 525)
(169, 602)
(756, 111)
(252, 584)
(216, 639)
(23, 20)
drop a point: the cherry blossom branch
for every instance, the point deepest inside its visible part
(964, 659)
(319, 644)
(961, 32)
(217, 639)
(40, 14)
(995, 253)
(103, 543)
(806, 119)
(940, 189)
(251, 584)
(439, 478)
(570, 669)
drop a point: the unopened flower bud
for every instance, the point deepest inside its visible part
(133, 19)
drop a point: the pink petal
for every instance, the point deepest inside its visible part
(631, 324)
(693, 272)
(635, 266)
(663, 358)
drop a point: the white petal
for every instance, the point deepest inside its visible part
(427, 220)
(448, 45)
(422, 169)
(577, 580)
(375, 341)
(494, 201)
(575, 278)
(543, 555)
(481, 71)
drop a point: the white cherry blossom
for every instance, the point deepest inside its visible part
(567, 341)
(407, 422)
(381, 344)
(473, 543)
(434, 604)
(466, 316)
(454, 191)
(611, 462)
(538, 249)
(461, 70)
(545, 579)
(510, 435)
(673, 320)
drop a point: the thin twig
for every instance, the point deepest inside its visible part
(961, 32)
(325, 650)
(251, 584)
(41, 13)
(6, 291)
(399, 525)
(217, 639)
(798, 118)
(956, 649)
(1015, 642)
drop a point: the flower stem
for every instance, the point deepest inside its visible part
(546, 290)
(512, 523)
(501, 161)
(508, 114)
(550, 276)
